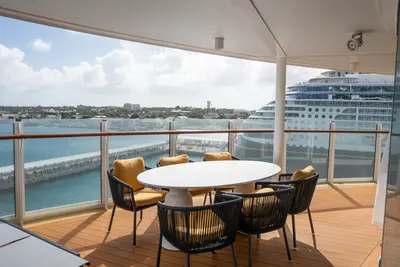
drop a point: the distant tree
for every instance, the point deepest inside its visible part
(134, 116)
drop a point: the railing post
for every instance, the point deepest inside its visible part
(283, 166)
(19, 174)
(104, 165)
(231, 138)
(378, 145)
(331, 153)
(172, 140)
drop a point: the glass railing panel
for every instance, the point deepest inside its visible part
(150, 147)
(254, 146)
(305, 149)
(354, 156)
(7, 204)
(61, 171)
(195, 145)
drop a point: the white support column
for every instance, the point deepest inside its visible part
(172, 140)
(279, 156)
(19, 174)
(378, 146)
(231, 138)
(283, 166)
(331, 153)
(104, 165)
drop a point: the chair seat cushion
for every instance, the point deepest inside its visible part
(264, 190)
(203, 226)
(127, 171)
(174, 160)
(304, 173)
(217, 156)
(148, 196)
(199, 191)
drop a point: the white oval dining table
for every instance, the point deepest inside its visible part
(179, 178)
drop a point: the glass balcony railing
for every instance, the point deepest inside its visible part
(68, 168)
(150, 147)
(354, 156)
(7, 189)
(195, 145)
(314, 152)
(254, 146)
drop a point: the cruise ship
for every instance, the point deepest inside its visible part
(351, 100)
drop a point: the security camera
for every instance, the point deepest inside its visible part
(355, 42)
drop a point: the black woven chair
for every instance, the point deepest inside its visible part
(200, 229)
(302, 198)
(264, 212)
(196, 191)
(124, 197)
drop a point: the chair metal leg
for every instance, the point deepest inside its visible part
(205, 199)
(249, 262)
(294, 231)
(209, 194)
(286, 244)
(159, 251)
(111, 219)
(311, 223)
(187, 260)
(134, 228)
(141, 214)
(234, 255)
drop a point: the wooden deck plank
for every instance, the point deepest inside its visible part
(344, 235)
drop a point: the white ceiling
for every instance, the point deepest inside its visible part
(310, 33)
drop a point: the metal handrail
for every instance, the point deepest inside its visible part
(98, 134)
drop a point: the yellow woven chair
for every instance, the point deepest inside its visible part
(128, 193)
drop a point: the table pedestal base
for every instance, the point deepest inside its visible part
(245, 188)
(177, 197)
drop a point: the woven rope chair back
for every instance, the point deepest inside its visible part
(201, 228)
(265, 212)
(304, 193)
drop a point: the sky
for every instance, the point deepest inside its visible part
(41, 65)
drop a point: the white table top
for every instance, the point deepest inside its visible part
(10, 234)
(208, 174)
(32, 251)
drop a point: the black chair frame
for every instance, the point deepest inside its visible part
(302, 198)
(265, 212)
(124, 198)
(226, 209)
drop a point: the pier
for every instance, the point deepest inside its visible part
(44, 170)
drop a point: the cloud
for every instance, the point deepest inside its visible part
(40, 46)
(144, 74)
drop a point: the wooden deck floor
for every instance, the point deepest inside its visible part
(342, 217)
